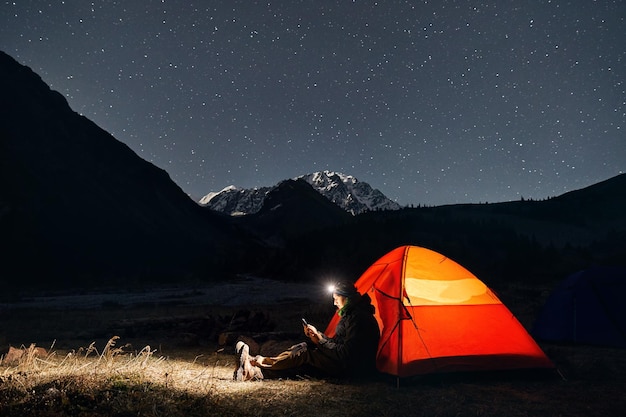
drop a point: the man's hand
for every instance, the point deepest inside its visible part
(312, 333)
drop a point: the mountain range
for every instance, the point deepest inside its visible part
(346, 191)
(78, 209)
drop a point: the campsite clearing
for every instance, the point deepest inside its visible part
(189, 377)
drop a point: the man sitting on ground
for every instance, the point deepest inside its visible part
(351, 352)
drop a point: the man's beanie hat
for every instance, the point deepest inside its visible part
(345, 289)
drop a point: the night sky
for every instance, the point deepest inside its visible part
(431, 102)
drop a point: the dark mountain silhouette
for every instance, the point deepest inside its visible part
(78, 205)
(292, 208)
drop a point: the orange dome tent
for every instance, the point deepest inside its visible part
(436, 316)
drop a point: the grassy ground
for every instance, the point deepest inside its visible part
(154, 371)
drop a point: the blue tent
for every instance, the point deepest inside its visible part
(588, 307)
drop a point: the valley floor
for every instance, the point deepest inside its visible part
(168, 361)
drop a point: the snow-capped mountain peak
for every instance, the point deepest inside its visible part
(205, 200)
(346, 191)
(236, 201)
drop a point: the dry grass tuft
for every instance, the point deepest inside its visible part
(112, 381)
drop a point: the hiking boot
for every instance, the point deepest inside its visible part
(242, 351)
(245, 371)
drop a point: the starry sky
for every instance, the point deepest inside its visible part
(432, 102)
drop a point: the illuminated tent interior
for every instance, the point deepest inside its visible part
(436, 316)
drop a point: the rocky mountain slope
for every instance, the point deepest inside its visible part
(346, 191)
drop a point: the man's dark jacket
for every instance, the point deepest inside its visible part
(355, 343)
